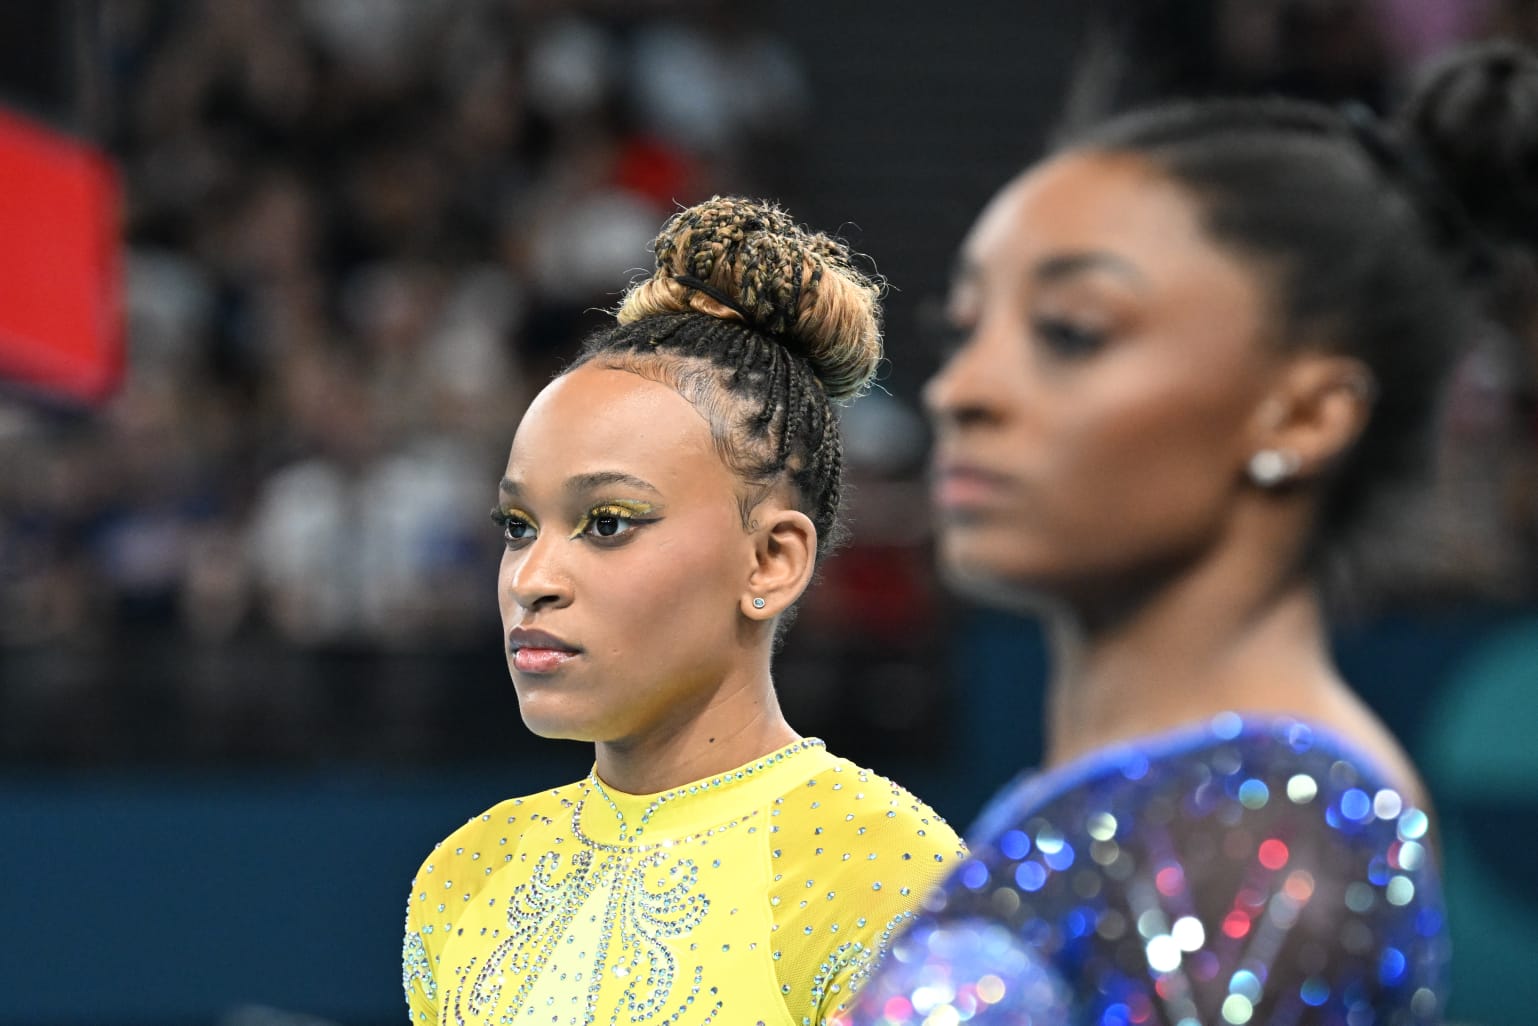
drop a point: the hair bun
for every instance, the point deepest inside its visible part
(1475, 116)
(799, 287)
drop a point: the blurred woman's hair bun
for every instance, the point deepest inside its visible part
(746, 260)
(1475, 116)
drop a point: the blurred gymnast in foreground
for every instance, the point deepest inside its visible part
(1202, 350)
(664, 505)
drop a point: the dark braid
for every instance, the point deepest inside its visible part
(770, 418)
(761, 325)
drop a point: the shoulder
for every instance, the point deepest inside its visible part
(455, 871)
(503, 823)
(1183, 852)
(841, 801)
(1271, 796)
(1223, 771)
(853, 855)
(459, 864)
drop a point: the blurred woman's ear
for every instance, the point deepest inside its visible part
(1309, 420)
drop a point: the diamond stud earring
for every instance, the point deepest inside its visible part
(1271, 467)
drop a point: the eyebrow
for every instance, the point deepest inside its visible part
(1057, 268)
(1070, 264)
(588, 482)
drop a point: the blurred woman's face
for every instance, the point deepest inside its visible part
(1090, 428)
(625, 562)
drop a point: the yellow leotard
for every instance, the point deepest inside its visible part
(761, 896)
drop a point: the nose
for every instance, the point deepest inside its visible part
(535, 578)
(965, 390)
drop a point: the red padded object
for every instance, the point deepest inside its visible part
(61, 322)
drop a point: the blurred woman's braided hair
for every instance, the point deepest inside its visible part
(762, 325)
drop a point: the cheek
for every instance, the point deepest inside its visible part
(1160, 466)
(666, 597)
(505, 601)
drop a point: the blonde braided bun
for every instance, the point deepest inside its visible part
(801, 288)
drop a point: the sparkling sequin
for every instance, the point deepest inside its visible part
(1238, 873)
(659, 910)
(1189, 933)
(415, 966)
(1302, 788)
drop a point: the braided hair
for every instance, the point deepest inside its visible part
(762, 325)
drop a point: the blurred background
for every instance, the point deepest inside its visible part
(250, 666)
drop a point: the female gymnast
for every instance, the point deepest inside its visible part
(664, 505)
(1202, 346)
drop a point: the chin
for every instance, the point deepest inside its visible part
(1013, 591)
(545, 719)
(993, 571)
(977, 583)
(554, 730)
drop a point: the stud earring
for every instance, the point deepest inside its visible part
(758, 603)
(1271, 467)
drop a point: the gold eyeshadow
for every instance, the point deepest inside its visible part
(628, 509)
(502, 517)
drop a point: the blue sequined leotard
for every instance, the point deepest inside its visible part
(1238, 873)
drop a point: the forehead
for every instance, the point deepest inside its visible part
(598, 419)
(1091, 202)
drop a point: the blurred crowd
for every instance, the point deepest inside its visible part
(361, 233)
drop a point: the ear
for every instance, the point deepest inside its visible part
(784, 556)
(1314, 414)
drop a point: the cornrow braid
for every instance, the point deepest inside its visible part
(746, 260)
(770, 419)
(762, 325)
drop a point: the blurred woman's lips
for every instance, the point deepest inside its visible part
(957, 487)
(539, 651)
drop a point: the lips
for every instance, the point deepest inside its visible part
(957, 487)
(535, 651)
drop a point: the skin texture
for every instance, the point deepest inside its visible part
(625, 542)
(1115, 376)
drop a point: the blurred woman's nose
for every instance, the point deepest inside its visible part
(966, 388)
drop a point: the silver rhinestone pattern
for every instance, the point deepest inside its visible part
(767, 893)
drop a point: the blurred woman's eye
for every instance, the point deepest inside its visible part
(517, 529)
(950, 338)
(1065, 337)
(942, 331)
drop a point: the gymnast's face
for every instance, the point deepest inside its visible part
(625, 559)
(1090, 428)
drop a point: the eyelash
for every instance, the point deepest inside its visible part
(1065, 338)
(507, 520)
(624, 514)
(510, 520)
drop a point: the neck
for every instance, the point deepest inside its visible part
(1205, 643)
(741, 722)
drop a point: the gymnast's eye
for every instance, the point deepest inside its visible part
(517, 528)
(612, 522)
